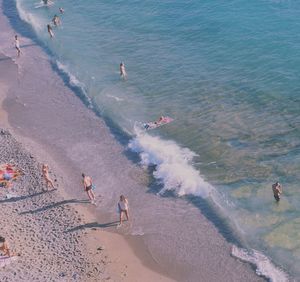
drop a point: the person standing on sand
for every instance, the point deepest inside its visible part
(88, 185)
(50, 31)
(277, 191)
(45, 170)
(123, 73)
(123, 207)
(17, 45)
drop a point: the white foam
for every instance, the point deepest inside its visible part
(37, 23)
(264, 266)
(73, 80)
(114, 97)
(173, 165)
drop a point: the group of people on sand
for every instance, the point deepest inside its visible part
(123, 205)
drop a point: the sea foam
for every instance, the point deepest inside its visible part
(37, 23)
(173, 165)
(264, 266)
(74, 82)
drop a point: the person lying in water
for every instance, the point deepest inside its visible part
(154, 123)
(160, 120)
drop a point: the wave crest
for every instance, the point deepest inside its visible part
(264, 266)
(173, 165)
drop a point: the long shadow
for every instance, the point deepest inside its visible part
(54, 205)
(16, 199)
(92, 225)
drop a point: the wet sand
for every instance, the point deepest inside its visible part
(54, 125)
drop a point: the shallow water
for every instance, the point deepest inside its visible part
(227, 72)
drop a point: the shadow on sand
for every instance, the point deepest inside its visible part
(54, 205)
(92, 225)
(16, 199)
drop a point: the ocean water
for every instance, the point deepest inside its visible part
(228, 73)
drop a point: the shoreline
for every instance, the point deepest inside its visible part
(117, 257)
(28, 129)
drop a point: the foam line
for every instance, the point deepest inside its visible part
(264, 266)
(173, 165)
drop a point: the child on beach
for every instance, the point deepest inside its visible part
(123, 207)
(17, 45)
(88, 185)
(49, 182)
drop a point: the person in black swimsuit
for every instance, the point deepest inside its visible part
(88, 185)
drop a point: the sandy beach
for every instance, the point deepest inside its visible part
(59, 235)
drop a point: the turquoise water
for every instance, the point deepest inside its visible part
(226, 71)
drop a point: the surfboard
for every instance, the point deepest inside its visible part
(154, 124)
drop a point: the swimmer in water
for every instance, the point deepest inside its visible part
(56, 20)
(61, 10)
(50, 31)
(123, 73)
(277, 191)
(46, 2)
(17, 45)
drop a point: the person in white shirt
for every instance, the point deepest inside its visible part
(123, 209)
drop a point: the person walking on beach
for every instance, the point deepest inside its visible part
(49, 182)
(88, 185)
(17, 45)
(123, 73)
(277, 191)
(123, 208)
(50, 31)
